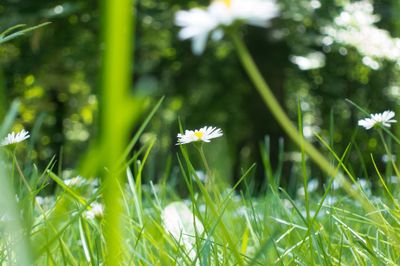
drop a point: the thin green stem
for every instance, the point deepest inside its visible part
(389, 153)
(204, 159)
(12, 157)
(209, 175)
(274, 106)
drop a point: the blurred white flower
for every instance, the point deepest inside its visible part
(198, 23)
(336, 185)
(240, 212)
(252, 12)
(383, 119)
(96, 211)
(39, 200)
(202, 134)
(330, 200)
(386, 158)
(46, 203)
(394, 179)
(363, 184)
(355, 27)
(287, 203)
(200, 175)
(74, 181)
(311, 187)
(309, 61)
(15, 138)
(315, 4)
(357, 14)
(183, 225)
(310, 130)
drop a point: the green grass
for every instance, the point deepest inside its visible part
(317, 226)
(343, 221)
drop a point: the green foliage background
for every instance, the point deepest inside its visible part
(55, 73)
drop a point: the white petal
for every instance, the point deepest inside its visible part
(199, 44)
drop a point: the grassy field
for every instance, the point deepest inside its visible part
(106, 212)
(215, 224)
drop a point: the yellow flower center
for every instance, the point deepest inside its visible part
(226, 2)
(198, 134)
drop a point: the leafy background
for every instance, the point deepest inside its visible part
(55, 74)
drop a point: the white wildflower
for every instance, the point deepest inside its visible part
(96, 210)
(197, 24)
(383, 119)
(183, 225)
(13, 137)
(202, 134)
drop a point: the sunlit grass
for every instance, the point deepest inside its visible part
(107, 211)
(317, 225)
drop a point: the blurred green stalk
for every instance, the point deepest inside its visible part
(117, 61)
(275, 108)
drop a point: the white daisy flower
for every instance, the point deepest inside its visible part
(13, 138)
(96, 211)
(197, 23)
(252, 12)
(202, 134)
(384, 119)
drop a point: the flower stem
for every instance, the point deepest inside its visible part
(204, 159)
(274, 106)
(209, 176)
(391, 161)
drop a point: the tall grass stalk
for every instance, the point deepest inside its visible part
(115, 116)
